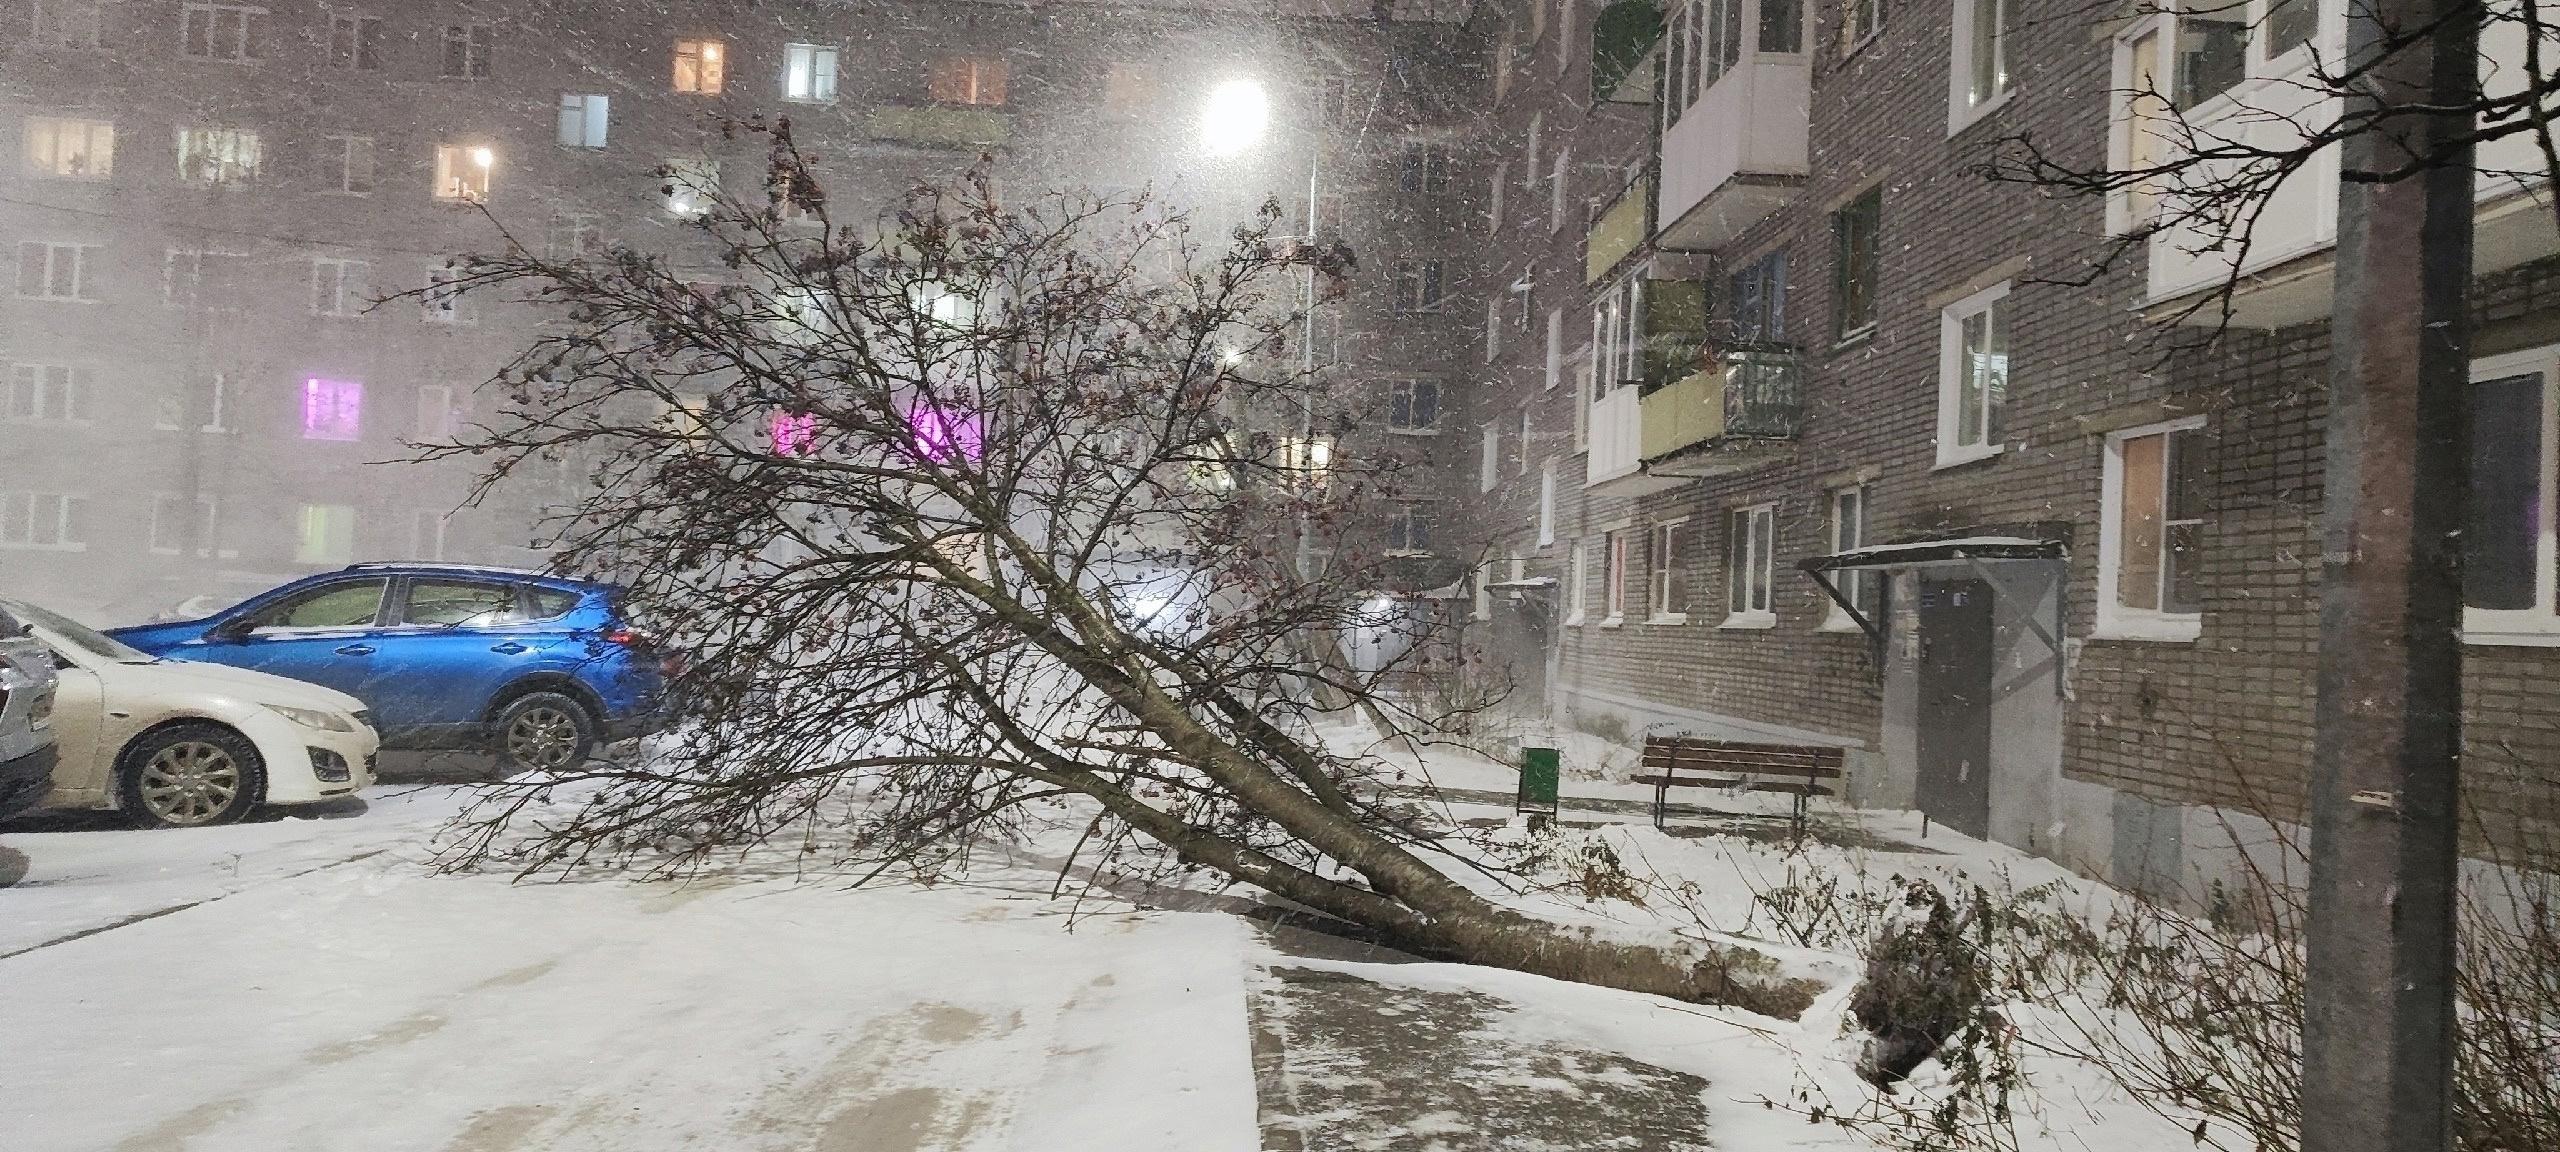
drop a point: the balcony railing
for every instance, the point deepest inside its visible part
(1619, 230)
(1750, 396)
(941, 125)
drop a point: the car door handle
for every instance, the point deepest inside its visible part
(356, 650)
(509, 648)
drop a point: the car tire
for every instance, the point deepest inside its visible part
(543, 732)
(191, 775)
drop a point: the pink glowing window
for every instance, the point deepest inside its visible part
(332, 409)
(794, 433)
(942, 436)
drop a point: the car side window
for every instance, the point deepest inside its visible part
(460, 604)
(549, 604)
(353, 604)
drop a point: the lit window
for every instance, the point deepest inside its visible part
(463, 172)
(1979, 76)
(1307, 456)
(690, 186)
(183, 524)
(942, 436)
(967, 80)
(1751, 567)
(1848, 528)
(1413, 405)
(467, 49)
(56, 271)
(1666, 585)
(328, 536)
(809, 72)
(700, 66)
(354, 156)
(51, 520)
(355, 42)
(794, 433)
(1973, 376)
(1419, 285)
(1408, 530)
(583, 119)
(340, 287)
(71, 149)
(69, 24)
(439, 413)
(48, 394)
(446, 300)
(217, 156)
(224, 31)
(2153, 504)
(332, 409)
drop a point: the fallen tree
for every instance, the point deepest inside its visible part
(990, 517)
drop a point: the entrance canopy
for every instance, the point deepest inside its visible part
(1921, 553)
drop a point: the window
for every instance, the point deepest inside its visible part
(1559, 184)
(355, 42)
(459, 604)
(967, 80)
(224, 32)
(1333, 99)
(2152, 503)
(1529, 170)
(582, 119)
(1423, 166)
(2289, 24)
(2143, 123)
(1860, 20)
(1555, 347)
(2509, 571)
(1492, 329)
(1408, 530)
(183, 524)
(68, 24)
(691, 186)
(428, 529)
(207, 408)
(328, 536)
(1666, 585)
(446, 300)
(699, 66)
(70, 149)
(1413, 405)
(1484, 591)
(332, 409)
(1617, 340)
(1979, 77)
(439, 417)
(1702, 42)
(340, 287)
(1577, 580)
(1751, 545)
(467, 48)
(1308, 456)
(1493, 199)
(1489, 466)
(1418, 285)
(571, 234)
(49, 520)
(217, 157)
(1856, 232)
(48, 394)
(1848, 530)
(1520, 457)
(1973, 376)
(214, 281)
(463, 171)
(1326, 324)
(1759, 296)
(1547, 502)
(2211, 53)
(56, 271)
(1582, 392)
(809, 72)
(1614, 576)
(354, 157)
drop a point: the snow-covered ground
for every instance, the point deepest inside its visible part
(315, 984)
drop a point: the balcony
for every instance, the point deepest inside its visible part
(941, 125)
(1727, 418)
(1619, 230)
(1624, 37)
(2286, 272)
(1733, 128)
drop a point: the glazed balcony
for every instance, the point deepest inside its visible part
(1729, 417)
(1735, 89)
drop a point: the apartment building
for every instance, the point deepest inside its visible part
(1795, 428)
(203, 202)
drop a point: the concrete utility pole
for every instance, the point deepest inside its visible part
(2378, 999)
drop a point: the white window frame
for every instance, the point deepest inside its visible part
(1613, 574)
(1489, 464)
(2538, 626)
(440, 413)
(347, 146)
(2128, 112)
(27, 508)
(1492, 329)
(1962, 111)
(83, 273)
(1582, 401)
(2116, 621)
(1421, 285)
(49, 394)
(1411, 389)
(1753, 567)
(208, 517)
(692, 184)
(329, 287)
(1494, 205)
(1951, 321)
(79, 24)
(429, 533)
(248, 45)
(1528, 441)
(462, 176)
(709, 71)
(1400, 520)
(96, 147)
(1559, 187)
(236, 155)
(1483, 608)
(1661, 544)
(1617, 342)
(443, 302)
(586, 121)
(1837, 618)
(809, 73)
(1577, 582)
(1555, 348)
(1547, 502)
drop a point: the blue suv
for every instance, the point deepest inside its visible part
(536, 668)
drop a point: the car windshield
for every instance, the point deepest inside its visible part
(81, 636)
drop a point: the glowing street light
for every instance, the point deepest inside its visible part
(1237, 113)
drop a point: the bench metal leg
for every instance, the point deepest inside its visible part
(1661, 800)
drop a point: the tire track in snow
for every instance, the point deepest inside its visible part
(174, 909)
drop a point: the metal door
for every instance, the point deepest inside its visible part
(1955, 704)
(1523, 634)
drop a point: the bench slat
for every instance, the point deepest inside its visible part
(1806, 789)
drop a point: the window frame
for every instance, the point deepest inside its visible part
(1409, 391)
(585, 121)
(824, 68)
(1866, 207)
(1951, 450)
(700, 66)
(463, 158)
(225, 143)
(1859, 585)
(362, 53)
(88, 15)
(1577, 582)
(83, 276)
(1409, 529)
(69, 520)
(346, 152)
(208, 518)
(52, 128)
(339, 306)
(2115, 620)
(74, 386)
(1666, 591)
(250, 41)
(2538, 626)
(1963, 111)
(1613, 566)
(477, 41)
(1489, 461)
(1750, 566)
(1547, 472)
(1421, 285)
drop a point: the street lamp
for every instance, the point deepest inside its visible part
(1237, 113)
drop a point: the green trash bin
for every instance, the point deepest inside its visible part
(1541, 774)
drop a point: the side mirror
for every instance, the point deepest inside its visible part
(233, 630)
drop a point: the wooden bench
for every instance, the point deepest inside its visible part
(1804, 771)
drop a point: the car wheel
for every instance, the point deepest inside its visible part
(543, 732)
(190, 776)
